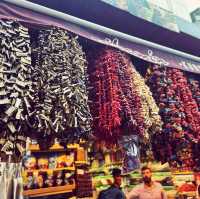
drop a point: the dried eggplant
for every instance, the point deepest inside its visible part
(15, 82)
(60, 94)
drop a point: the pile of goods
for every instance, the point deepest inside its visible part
(43, 179)
(43, 95)
(195, 88)
(47, 176)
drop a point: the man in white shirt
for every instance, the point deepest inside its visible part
(148, 189)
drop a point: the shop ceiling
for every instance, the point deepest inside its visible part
(32, 13)
(103, 14)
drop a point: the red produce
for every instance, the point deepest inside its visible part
(179, 112)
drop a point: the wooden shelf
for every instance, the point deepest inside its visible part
(113, 163)
(49, 191)
(72, 146)
(182, 173)
(189, 193)
(82, 162)
(54, 148)
(47, 170)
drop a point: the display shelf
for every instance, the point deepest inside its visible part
(48, 170)
(182, 172)
(189, 193)
(82, 163)
(99, 170)
(54, 148)
(114, 163)
(72, 146)
(49, 191)
(35, 148)
(104, 169)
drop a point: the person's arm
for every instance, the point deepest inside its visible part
(134, 193)
(163, 194)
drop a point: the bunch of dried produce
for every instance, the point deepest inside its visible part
(149, 110)
(115, 105)
(104, 95)
(15, 85)
(130, 99)
(149, 113)
(195, 88)
(179, 113)
(60, 98)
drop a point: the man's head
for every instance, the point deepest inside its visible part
(116, 173)
(146, 174)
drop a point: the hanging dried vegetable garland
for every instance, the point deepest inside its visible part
(115, 105)
(149, 113)
(15, 85)
(190, 105)
(104, 95)
(135, 122)
(195, 88)
(149, 110)
(60, 107)
(179, 113)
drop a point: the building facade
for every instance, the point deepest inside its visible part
(195, 15)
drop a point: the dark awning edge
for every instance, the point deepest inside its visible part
(35, 14)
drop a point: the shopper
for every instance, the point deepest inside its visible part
(114, 191)
(149, 189)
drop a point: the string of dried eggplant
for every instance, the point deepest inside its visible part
(15, 85)
(59, 77)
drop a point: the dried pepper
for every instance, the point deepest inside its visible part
(195, 88)
(104, 95)
(179, 113)
(115, 105)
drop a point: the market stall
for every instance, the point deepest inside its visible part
(72, 109)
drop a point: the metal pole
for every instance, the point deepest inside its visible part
(84, 23)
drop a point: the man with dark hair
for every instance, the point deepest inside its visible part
(114, 191)
(148, 189)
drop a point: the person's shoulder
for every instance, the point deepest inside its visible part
(157, 184)
(116, 189)
(120, 192)
(139, 186)
(112, 189)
